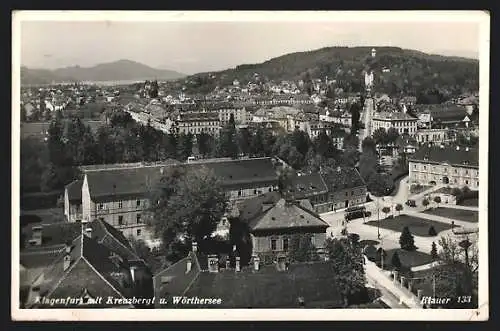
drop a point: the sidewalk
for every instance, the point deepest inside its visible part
(461, 207)
(405, 297)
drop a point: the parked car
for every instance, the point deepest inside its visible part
(357, 214)
(411, 203)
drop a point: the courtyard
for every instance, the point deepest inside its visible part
(458, 214)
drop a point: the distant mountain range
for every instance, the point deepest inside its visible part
(396, 70)
(122, 70)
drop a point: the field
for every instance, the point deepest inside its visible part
(458, 214)
(408, 258)
(418, 226)
(474, 202)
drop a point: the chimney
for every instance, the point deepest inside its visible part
(88, 232)
(66, 262)
(256, 262)
(36, 236)
(213, 263)
(238, 266)
(194, 246)
(188, 265)
(458, 148)
(132, 274)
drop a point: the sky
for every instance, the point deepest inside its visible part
(191, 47)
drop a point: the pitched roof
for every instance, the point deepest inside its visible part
(448, 154)
(54, 236)
(110, 237)
(286, 215)
(393, 116)
(108, 183)
(75, 191)
(308, 185)
(341, 178)
(269, 288)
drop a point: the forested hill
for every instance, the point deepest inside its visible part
(410, 70)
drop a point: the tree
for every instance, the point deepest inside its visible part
(381, 252)
(323, 145)
(187, 205)
(144, 252)
(457, 273)
(437, 200)
(434, 253)
(406, 240)
(302, 249)
(386, 210)
(425, 203)
(399, 208)
(368, 145)
(380, 136)
(185, 146)
(228, 146)
(348, 271)
(432, 231)
(257, 143)
(244, 141)
(355, 110)
(395, 261)
(392, 135)
(203, 142)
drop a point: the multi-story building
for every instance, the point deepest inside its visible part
(433, 136)
(453, 166)
(119, 194)
(404, 123)
(196, 123)
(331, 190)
(79, 262)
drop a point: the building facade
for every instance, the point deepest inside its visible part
(402, 122)
(433, 136)
(450, 166)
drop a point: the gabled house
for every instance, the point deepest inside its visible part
(66, 265)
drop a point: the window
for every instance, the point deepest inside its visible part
(466, 172)
(138, 203)
(138, 217)
(285, 244)
(100, 206)
(313, 241)
(346, 194)
(455, 170)
(120, 220)
(255, 191)
(466, 182)
(273, 244)
(414, 166)
(425, 167)
(120, 204)
(239, 193)
(138, 232)
(352, 193)
(477, 183)
(101, 219)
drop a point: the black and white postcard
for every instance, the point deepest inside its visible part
(250, 165)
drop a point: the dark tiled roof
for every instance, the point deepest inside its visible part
(110, 183)
(268, 288)
(448, 155)
(199, 116)
(75, 191)
(174, 280)
(287, 215)
(341, 178)
(99, 256)
(250, 208)
(308, 185)
(235, 172)
(122, 182)
(113, 239)
(53, 235)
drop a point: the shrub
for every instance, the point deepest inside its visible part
(406, 240)
(432, 231)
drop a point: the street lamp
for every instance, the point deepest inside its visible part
(378, 220)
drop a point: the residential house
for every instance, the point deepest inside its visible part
(69, 265)
(73, 201)
(402, 122)
(453, 166)
(196, 123)
(259, 285)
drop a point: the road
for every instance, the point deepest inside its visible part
(366, 119)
